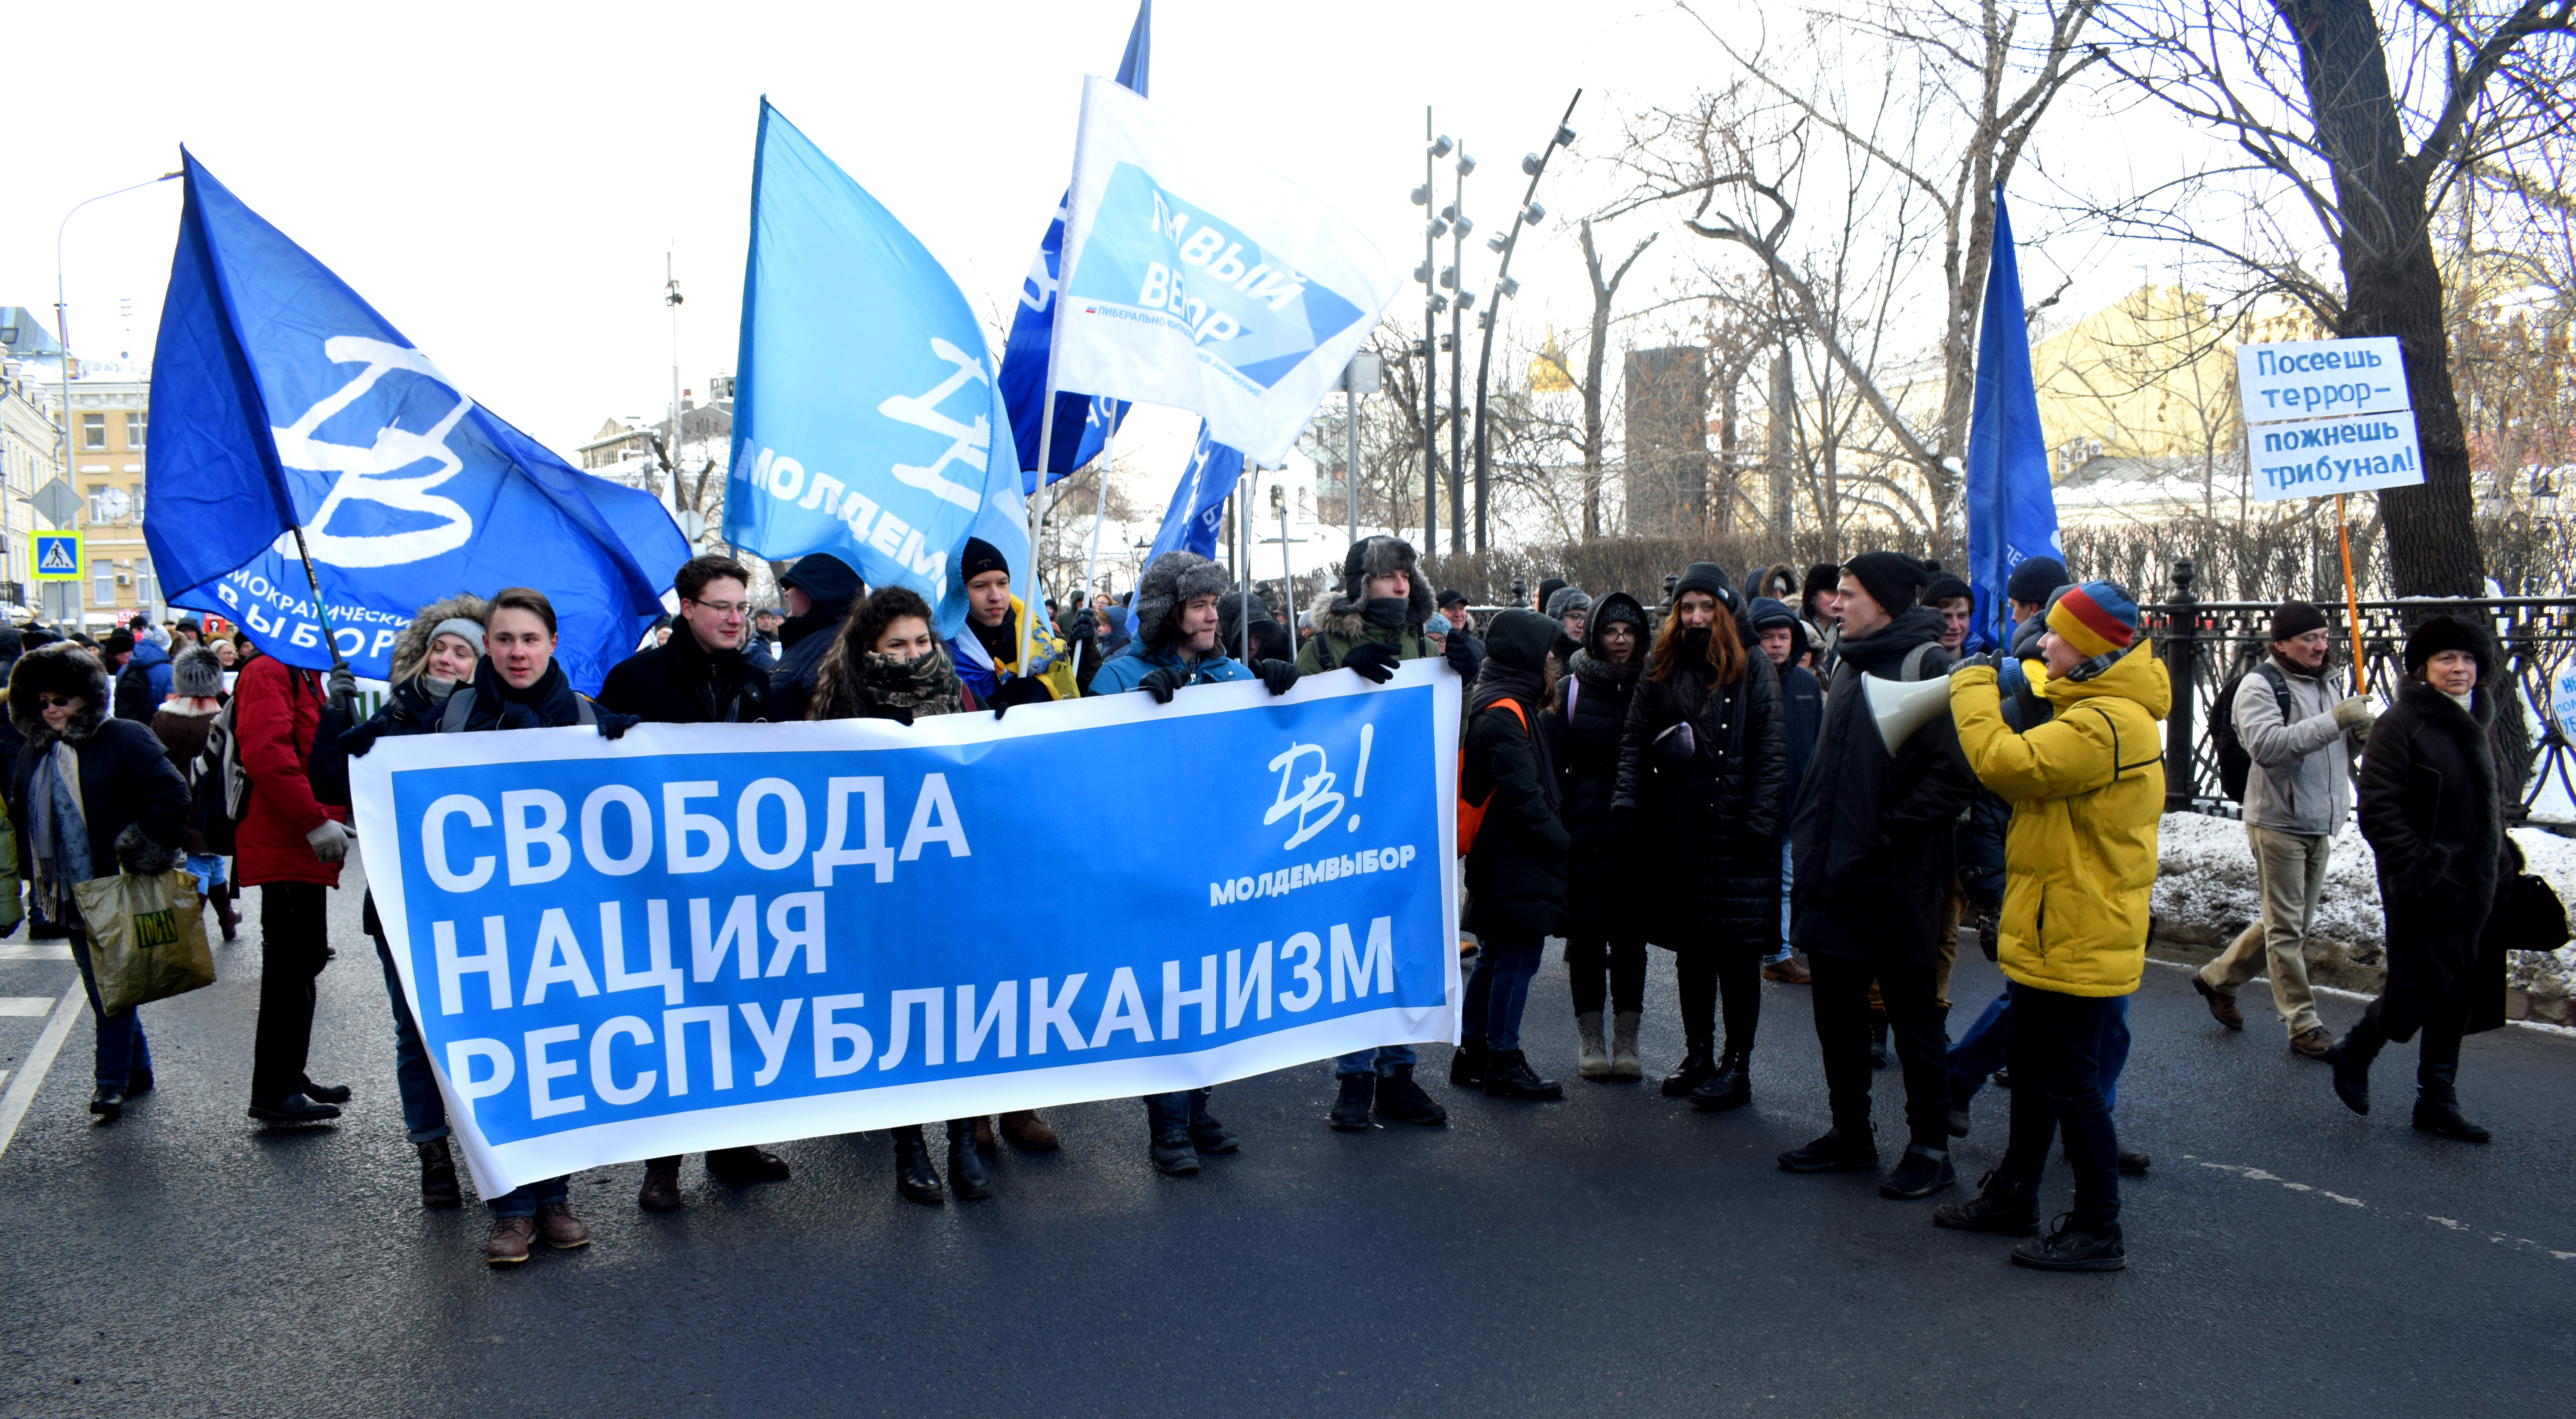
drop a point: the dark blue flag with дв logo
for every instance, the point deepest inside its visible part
(1082, 423)
(281, 399)
(2012, 508)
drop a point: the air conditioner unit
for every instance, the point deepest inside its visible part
(124, 579)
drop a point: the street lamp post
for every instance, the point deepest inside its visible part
(63, 336)
(1530, 213)
(1455, 279)
(1435, 148)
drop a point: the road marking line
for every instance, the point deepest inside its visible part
(2254, 1174)
(31, 1075)
(26, 1005)
(36, 951)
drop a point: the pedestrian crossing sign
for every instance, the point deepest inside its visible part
(57, 556)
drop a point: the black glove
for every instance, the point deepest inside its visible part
(1623, 825)
(613, 725)
(1984, 657)
(1084, 628)
(1278, 675)
(1020, 690)
(1375, 663)
(359, 740)
(1461, 654)
(903, 716)
(1161, 683)
(1990, 924)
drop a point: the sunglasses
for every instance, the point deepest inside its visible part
(53, 701)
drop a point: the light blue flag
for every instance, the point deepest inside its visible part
(866, 420)
(280, 399)
(2012, 509)
(1198, 504)
(1082, 423)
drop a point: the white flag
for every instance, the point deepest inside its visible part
(1199, 280)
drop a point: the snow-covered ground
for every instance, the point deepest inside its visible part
(2205, 884)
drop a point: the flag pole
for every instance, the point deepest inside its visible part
(1099, 505)
(1046, 412)
(320, 612)
(2352, 604)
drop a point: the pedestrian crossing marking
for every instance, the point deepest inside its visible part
(35, 951)
(28, 1005)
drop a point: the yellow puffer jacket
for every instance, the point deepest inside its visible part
(2087, 789)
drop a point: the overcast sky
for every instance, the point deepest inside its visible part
(503, 181)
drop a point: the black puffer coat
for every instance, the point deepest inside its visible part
(1871, 834)
(1709, 828)
(2432, 809)
(1583, 729)
(1516, 872)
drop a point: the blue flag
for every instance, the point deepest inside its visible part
(1082, 423)
(280, 399)
(1198, 504)
(865, 412)
(2012, 509)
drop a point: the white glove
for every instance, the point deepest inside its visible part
(2353, 713)
(330, 841)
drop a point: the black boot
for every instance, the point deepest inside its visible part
(1878, 1037)
(2074, 1247)
(1957, 1122)
(1918, 1175)
(1731, 1087)
(1351, 1106)
(2351, 1057)
(1172, 1154)
(1399, 1098)
(2001, 1206)
(1696, 1066)
(1467, 1063)
(914, 1179)
(2437, 1102)
(325, 1093)
(1834, 1152)
(966, 1175)
(438, 1174)
(1508, 1076)
(108, 1102)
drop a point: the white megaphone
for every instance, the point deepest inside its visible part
(1904, 706)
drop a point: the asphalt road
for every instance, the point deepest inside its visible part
(1605, 1255)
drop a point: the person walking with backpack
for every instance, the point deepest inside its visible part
(1869, 842)
(2432, 805)
(89, 796)
(2300, 736)
(1516, 871)
(1703, 767)
(2088, 792)
(433, 656)
(1604, 932)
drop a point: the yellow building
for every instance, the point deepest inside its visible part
(110, 413)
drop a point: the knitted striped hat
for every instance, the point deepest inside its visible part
(2096, 618)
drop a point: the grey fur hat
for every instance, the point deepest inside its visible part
(1567, 599)
(411, 648)
(1377, 556)
(195, 671)
(1174, 580)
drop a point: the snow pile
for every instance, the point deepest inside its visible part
(2206, 892)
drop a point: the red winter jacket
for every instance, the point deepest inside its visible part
(279, 709)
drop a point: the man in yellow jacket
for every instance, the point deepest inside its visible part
(2087, 790)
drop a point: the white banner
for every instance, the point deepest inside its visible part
(2359, 454)
(1201, 281)
(2309, 379)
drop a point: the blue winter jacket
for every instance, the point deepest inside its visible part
(1128, 669)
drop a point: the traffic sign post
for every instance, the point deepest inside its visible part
(56, 556)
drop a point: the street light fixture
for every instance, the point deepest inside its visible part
(1530, 213)
(2544, 496)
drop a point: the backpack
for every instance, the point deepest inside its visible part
(2235, 765)
(222, 782)
(1471, 816)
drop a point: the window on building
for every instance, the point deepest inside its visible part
(94, 431)
(102, 586)
(147, 584)
(134, 430)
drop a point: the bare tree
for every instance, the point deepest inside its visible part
(2304, 91)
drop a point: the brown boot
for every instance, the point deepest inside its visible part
(984, 1142)
(1788, 970)
(509, 1242)
(562, 1230)
(225, 916)
(1028, 1132)
(661, 1190)
(2222, 1006)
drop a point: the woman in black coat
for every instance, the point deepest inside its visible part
(1703, 765)
(90, 795)
(1516, 874)
(1602, 932)
(2432, 807)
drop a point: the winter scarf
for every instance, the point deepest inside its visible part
(1603, 676)
(550, 703)
(1882, 653)
(905, 690)
(58, 830)
(1385, 612)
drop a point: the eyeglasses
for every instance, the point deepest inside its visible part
(723, 608)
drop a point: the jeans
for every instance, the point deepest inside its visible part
(525, 1199)
(2057, 1088)
(424, 1111)
(295, 944)
(1500, 988)
(1841, 992)
(1981, 1051)
(1587, 958)
(1381, 1060)
(2292, 869)
(1176, 1112)
(1788, 880)
(121, 1047)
